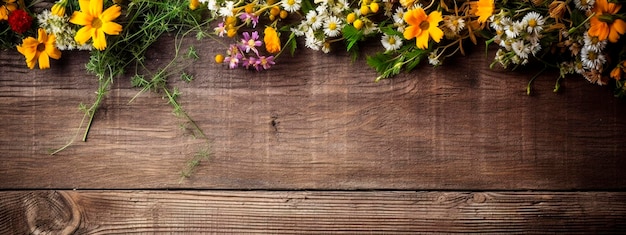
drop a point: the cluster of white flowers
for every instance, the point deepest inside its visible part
(517, 39)
(63, 31)
(326, 21)
(589, 57)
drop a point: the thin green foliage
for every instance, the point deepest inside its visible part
(144, 22)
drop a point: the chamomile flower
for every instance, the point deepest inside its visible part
(398, 16)
(391, 42)
(591, 59)
(433, 59)
(584, 5)
(594, 43)
(332, 26)
(520, 49)
(454, 24)
(534, 22)
(314, 20)
(311, 41)
(227, 9)
(291, 5)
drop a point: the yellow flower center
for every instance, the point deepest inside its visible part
(96, 23)
(332, 26)
(592, 55)
(41, 47)
(392, 40)
(291, 2)
(532, 23)
(424, 25)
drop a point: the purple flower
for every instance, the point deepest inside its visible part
(252, 62)
(220, 29)
(250, 42)
(234, 56)
(266, 62)
(249, 17)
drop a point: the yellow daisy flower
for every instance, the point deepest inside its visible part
(422, 26)
(96, 22)
(41, 49)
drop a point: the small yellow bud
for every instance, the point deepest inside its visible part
(364, 10)
(275, 11)
(219, 58)
(284, 14)
(374, 7)
(358, 24)
(366, 2)
(351, 17)
(231, 20)
(271, 2)
(194, 4)
(249, 8)
(231, 32)
(272, 17)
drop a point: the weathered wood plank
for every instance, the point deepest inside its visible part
(123, 212)
(314, 122)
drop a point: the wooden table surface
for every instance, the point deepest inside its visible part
(312, 146)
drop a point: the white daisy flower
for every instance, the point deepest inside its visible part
(332, 26)
(314, 20)
(433, 59)
(591, 59)
(534, 22)
(391, 42)
(340, 6)
(227, 9)
(311, 40)
(326, 47)
(520, 49)
(594, 43)
(291, 5)
(584, 5)
(301, 29)
(454, 23)
(398, 17)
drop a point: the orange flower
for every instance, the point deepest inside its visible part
(422, 26)
(271, 39)
(484, 9)
(603, 24)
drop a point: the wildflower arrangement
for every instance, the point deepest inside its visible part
(583, 37)
(117, 34)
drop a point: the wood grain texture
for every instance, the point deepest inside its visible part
(124, 212)
(315, 121)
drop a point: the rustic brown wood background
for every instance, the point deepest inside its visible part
(312, 146)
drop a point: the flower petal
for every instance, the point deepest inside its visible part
(411, 31)
(81, 18)
(84, 5)
(95, 7)
(436, 33)
(99, 40)
(422, 40)
(83, 35)
(44, 61)
(42, 36)
(111, 13)
(111, 28)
